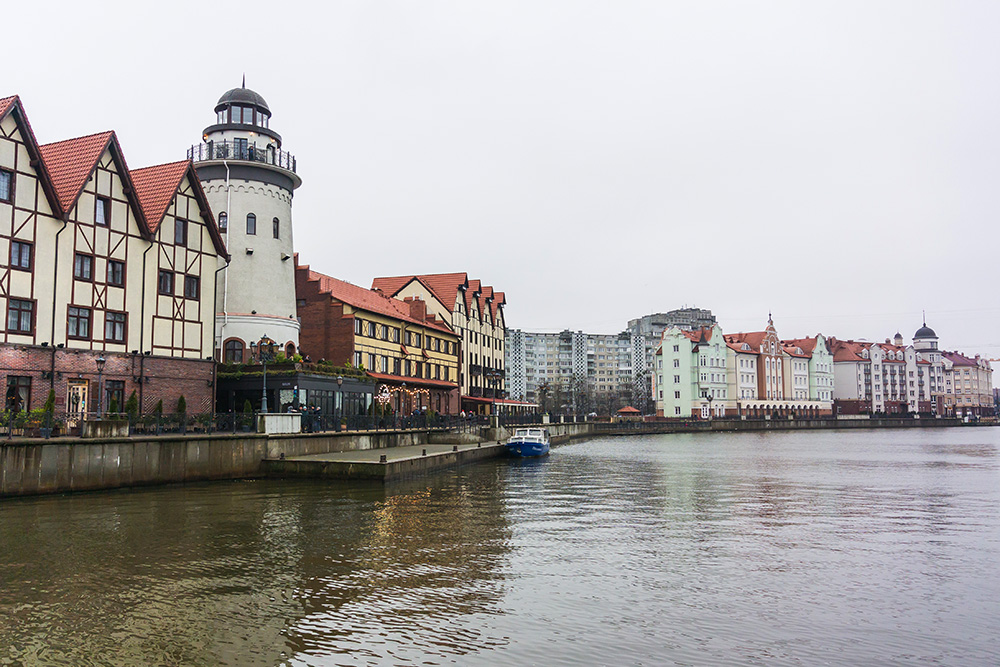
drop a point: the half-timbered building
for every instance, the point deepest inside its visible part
(100, 262)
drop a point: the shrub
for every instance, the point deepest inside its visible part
(132, 405)
(247, 407)
(113, 406)
(158, 410)
(181, 405)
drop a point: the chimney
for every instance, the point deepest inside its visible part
(418, 309)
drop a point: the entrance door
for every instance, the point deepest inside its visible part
(76, 402)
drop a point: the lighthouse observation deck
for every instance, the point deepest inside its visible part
(242, 150)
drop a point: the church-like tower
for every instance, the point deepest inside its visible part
(250, 182)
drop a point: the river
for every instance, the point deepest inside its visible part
(797, 548)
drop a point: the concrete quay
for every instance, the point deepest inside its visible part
(382, 465)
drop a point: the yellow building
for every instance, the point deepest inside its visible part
(476, 313)
(410, 352)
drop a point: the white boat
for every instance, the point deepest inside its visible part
(529, 442)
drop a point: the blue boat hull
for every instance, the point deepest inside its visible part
(525, 449)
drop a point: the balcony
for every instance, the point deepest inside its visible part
(239, 150)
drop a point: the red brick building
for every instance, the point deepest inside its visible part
(412, 354)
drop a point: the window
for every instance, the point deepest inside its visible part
(276, 228)
(395, 335)
(251, 224)
(78, 323)
(6, 186)
(83, 267)
(223, 221)
(192, 287)
(397, 365)
(677, 394)
(359, 326)
(116, 273)
(166, 282)
(114, 392)
(418, 369)
(677, 348)
(18, 393)
(180, 232)
(416, 340)
(20, 316)
(20, 255)
(114, 327)
(383, 332)
(677, 410)
(677, 379)
(677, 363)
(357, 359)
(371, 361)
(102, 211)
(233, 352)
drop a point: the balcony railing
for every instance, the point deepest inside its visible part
(238, 150)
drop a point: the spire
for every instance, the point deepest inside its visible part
(924, 313)
(244, 79)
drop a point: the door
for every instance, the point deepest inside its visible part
(76, 402)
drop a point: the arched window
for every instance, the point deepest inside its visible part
(233, 352)
(251, 224)
(223, 221)
(290, 350)
(276, 227)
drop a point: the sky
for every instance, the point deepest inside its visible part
(832, 163)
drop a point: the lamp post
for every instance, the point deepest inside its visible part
(494, 375)
(100, 361)
(265, 352)
(340, 399)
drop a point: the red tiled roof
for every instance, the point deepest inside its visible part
(369, 299)
(10, 104)
(70, 163)
(444, 286)
(959, 359)
(629, 410)
(6, 104)
(808, 345)
(754, 339)
(156, 188)
(472, 295)
(847, 350)
(413, 381)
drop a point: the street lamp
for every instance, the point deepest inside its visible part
(494, 375)
(265, 353)
(100, 361)
(340, 399)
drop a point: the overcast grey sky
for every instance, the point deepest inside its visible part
(835, 163)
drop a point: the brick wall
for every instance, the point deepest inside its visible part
(55, 368)
(325, 333)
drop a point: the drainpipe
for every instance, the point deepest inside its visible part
(55, 282)
(225, 279)
(142, 328)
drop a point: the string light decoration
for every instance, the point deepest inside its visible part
(385, 393)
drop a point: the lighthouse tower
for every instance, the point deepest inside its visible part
(250, 180)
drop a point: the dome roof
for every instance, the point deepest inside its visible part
(242, 96)
(925, 332)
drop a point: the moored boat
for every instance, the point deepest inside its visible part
(529, 442)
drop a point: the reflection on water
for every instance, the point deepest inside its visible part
(873, 547)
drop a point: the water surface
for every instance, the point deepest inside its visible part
(869, 547)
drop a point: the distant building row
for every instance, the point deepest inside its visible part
(706, 373)
(573, 371)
